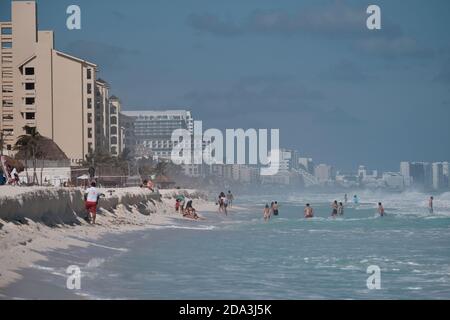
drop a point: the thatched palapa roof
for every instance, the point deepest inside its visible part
(49, 151)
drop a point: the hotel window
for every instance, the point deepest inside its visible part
(113, 120)
(29, 86)
(8, 147)
(89, 132)
(89, 118)
(113, 140)
(7, 45)
(30, 115)
(89, 103)
(89, 73)
(90, 147)
(7, 89)
(29, 71)
(7, 30)
(6, 59)
(29, 101)
(29, 130)
(7, 103)
(6, 74)
(8, 117)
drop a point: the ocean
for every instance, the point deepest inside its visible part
(240, 257)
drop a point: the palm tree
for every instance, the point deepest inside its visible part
(29, 143)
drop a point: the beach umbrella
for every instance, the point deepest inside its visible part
(180, 197)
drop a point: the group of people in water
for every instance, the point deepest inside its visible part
(337, 208)
(224, 201)
(270, 211)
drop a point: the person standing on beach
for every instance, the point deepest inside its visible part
(355, 199)
(266, 213)
(430, 204)
(345, 198)
(341, 209)
(334, 207)
(230, 198)
(380, 209)
(308, 211)
(91, 196)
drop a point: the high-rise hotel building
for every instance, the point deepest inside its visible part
(152, 130)
(44, 88)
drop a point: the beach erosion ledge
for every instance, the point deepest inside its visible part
(35, 220)
(54, 206)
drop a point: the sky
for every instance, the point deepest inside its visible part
(339, 92)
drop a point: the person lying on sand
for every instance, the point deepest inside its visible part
(191, 213)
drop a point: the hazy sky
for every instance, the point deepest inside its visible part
(337, 91)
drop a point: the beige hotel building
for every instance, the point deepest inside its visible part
(44, 88)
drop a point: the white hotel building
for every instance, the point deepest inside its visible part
(153, 129)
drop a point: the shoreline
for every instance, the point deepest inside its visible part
(24, 241)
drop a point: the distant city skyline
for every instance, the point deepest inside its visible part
(338, 92)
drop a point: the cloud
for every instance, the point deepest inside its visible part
(267, 93)
(443, 75)
(210, 23)
(394, 47)
(336, 117)
(328, 21)
(273, 99)
(331, 21)
(346, 71)
(103, 54)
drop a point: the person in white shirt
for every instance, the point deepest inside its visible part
(15, 176)
(91, 196)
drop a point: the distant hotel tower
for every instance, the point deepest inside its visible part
(152, 130)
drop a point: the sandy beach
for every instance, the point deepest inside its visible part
(34, 220)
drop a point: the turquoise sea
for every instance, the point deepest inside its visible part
(240, 257)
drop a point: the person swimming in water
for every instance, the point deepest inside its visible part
(430, 204)
(309, 212)
(230, 198)
(334, 207)
(266, 212)
(355, 199)
(275, 208)
(381, 209)
(341, 209)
